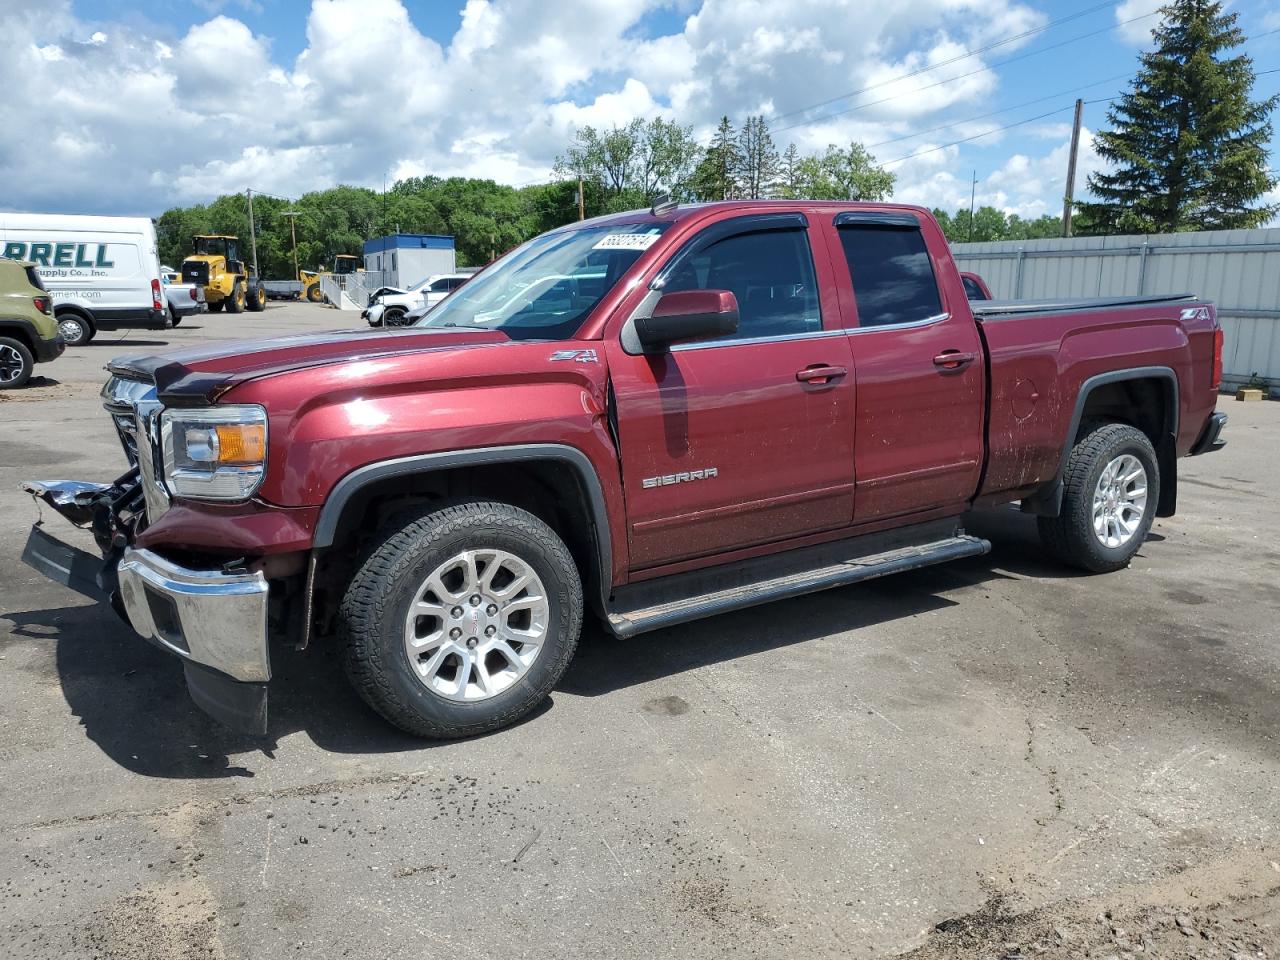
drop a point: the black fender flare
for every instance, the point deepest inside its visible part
(331, 513)
(1047, 501)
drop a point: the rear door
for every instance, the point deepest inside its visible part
(920, 375)
(739, 441)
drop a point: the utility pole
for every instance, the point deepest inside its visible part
(973, 194)
(253, 236)
(1068, 203)
(293, 236)
(582, 212)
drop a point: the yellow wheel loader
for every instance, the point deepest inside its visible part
(343, 263)
(228, 281)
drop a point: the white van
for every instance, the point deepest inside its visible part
(102, 272)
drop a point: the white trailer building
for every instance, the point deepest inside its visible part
(405, 258)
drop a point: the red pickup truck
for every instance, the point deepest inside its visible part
(652, 417)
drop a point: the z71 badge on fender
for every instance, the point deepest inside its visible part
(706, 473)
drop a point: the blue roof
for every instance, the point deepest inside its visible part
(408, 241)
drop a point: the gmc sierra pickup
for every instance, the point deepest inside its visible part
(654, 417)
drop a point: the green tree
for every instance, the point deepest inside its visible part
(758, 159)
(716, 177)
(788, 187)
(1188, 142)
(841, 174)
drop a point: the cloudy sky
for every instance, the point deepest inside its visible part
(131, 106)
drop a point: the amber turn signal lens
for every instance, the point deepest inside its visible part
(241, 442)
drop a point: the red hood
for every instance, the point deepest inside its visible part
(199, 375)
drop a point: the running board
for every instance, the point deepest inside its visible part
(652, 605)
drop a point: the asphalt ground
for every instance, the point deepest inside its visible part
(994, 758)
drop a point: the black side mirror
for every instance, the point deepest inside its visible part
(687, 315)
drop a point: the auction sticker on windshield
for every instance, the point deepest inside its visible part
(626, 241)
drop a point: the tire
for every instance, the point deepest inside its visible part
(257, 299)
(16, 364)
(393, 317)
(314, 294)
(373, 623)
(176, 320)
(238, 299)
(1074, 536)
(76, 330)
(215, 306)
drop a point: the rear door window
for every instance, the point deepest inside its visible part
(893, 280)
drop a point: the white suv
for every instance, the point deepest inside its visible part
(390, 306)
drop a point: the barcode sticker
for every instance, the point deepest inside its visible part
(626, 241)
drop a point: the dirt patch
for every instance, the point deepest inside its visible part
(1229, 910)
(174, 922)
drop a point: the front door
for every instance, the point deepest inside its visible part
(740, 441)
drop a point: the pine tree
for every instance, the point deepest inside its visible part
(1188, 143)
(789, 174)
(717, 175)
(758, 159)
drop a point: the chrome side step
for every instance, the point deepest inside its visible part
(659, 604)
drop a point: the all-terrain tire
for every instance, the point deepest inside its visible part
(257, 298)
(16, 364)
(1070, 536)
(373, 614)
(236, 302)
(314, 294)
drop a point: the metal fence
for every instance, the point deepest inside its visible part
(1237, 269)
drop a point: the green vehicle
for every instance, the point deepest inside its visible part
(28, 332)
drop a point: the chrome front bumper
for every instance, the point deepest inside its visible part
(209, 617)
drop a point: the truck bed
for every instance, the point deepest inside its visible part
(997, 309)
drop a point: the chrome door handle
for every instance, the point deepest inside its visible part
(820, 373)
(953, 360)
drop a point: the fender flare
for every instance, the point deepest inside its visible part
(331, 513)
(1047, 501)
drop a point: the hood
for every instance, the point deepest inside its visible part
(199, 375)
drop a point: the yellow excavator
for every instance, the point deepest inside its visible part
(227, 280)
(343, 264)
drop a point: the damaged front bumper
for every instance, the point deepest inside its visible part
(214, 620)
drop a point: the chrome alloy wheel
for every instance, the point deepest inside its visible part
(476, 624)
(11, 364)
(1120, 501)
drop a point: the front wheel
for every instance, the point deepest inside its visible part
(393, 317)
(314, 294)
(236, 302)
(462, 618)
(1110, 490)
(257, 298)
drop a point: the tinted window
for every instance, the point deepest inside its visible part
(771, 274)
(893, 278)
(440, 285)
(972, 290)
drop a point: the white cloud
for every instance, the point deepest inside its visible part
(135, 123)
(1138, 32)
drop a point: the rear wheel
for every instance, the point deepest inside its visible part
(75, 329)
(257, 300)
(1110, 490)
(462, 619)
(314, 294)
(215, 306)
(16, 363)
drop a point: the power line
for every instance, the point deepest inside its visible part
(956, 59)
(978, 136)
(962, 76)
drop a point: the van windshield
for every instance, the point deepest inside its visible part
(545, 289)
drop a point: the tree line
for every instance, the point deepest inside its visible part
(1187, 147)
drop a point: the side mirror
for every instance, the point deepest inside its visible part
(687, 315)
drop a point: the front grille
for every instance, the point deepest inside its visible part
(195, 271)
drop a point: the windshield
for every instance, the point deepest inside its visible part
(545, 289)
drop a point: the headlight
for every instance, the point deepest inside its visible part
(214, 453)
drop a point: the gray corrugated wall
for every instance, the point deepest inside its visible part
(1239, 270)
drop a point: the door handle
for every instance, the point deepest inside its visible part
(820, 373)
(953, 360)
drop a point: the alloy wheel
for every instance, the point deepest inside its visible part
(1119, 501)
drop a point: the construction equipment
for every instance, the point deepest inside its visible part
(227, 281)
(343, 264)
